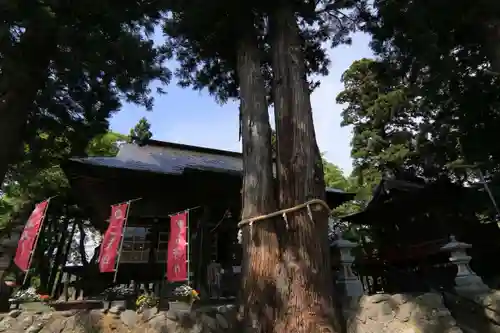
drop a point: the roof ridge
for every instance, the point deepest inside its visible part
(182, 146)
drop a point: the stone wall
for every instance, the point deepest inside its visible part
(207, 320)
(399, 313)
(381, 313)
(480, 312)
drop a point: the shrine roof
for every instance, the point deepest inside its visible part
(406, 196)
(170, 159)
(173, 159)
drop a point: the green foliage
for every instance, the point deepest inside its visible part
(442, 55)
(145, 302)
(79, 61)
(335, 178)
(429, 104)
(380, 109)
(141, 132)
(106, 144)
(31, 182)
(204, 38)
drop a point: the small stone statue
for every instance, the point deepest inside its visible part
(214, 274)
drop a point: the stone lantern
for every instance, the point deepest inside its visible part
(347, 280)
(466, 280)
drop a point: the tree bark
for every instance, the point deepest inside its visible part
(304, 244)
(260, 246)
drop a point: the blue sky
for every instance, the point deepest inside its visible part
(191, 117)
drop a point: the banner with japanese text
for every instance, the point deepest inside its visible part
(177, 248)
(110, 245)
(29, 236)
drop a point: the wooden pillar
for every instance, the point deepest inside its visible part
(59, 255)
(64, 259)
(203, 253)
(66, 279)
(155, 235)
(195, 235)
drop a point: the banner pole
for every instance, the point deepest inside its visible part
(128, 201)
(32, 252)
(188, 247)
(185, 210)
(121, 239)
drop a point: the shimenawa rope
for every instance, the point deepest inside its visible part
(283, 212)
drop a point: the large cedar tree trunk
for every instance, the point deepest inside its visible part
(308, 282)
(260, 247)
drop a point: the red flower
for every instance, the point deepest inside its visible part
(10, 283)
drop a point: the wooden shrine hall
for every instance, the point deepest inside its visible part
(417, 217)
(169, 178)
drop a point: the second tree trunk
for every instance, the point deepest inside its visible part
(307, 282)
(260, 248)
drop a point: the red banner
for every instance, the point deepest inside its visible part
(111, 241)
(177, 248)
(29, 235)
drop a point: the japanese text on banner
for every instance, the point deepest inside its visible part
(111, 241)
(177, 248)
(28, 237)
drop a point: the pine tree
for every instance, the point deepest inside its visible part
(141, 132)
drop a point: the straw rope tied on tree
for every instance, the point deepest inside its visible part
(283, 213)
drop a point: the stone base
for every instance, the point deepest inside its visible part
(479, 311)
(208, 320)
(350, 288)
(384, 313)
(470, 284)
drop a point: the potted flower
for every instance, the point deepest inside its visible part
(10, 281)
(44, 298)
(144, 302)
(30, 300)
(118, 295)
(184, 297)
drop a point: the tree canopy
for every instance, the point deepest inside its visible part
(32, 182)
(208, 61)
(66, 68)
(430, 100)
(141, 131)
(428, 104)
